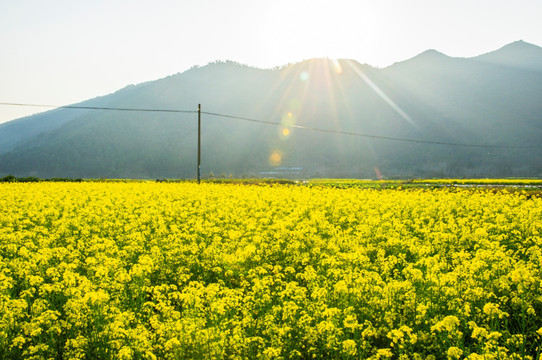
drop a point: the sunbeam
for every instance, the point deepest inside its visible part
(313, 93)
(382, 94)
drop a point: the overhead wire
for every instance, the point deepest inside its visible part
(275, 123)
(370, 135)
(101, 108)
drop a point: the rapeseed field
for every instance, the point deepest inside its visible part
(223, 271)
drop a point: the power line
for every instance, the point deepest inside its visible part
(372, 136)
(280, 124)
(102, 108)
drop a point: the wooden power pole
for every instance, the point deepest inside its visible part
(199, 143)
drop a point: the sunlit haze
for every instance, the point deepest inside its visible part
(62, 52)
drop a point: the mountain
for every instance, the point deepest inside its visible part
(347, 116)
(519, 54)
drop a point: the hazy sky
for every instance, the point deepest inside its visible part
(64, 51)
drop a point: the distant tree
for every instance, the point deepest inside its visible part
(9, 178)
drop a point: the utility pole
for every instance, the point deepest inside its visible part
(199, 143)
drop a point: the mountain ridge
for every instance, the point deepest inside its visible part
(430, 97)
(515, 54)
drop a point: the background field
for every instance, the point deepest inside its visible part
(145, 270)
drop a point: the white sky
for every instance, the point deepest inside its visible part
(64, 51)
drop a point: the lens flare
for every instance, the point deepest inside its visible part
(378, 173)
(284, 133)
(304, 76)
(275, 159)
(336, 66)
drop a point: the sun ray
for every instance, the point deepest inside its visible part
(329, 88)
(292, 74)
(382, 94)
(342, 94)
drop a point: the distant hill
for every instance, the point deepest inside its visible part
(518, 54)
(432, 99)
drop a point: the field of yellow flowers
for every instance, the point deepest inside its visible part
(147, 270)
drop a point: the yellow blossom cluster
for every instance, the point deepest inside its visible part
(145, 270)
